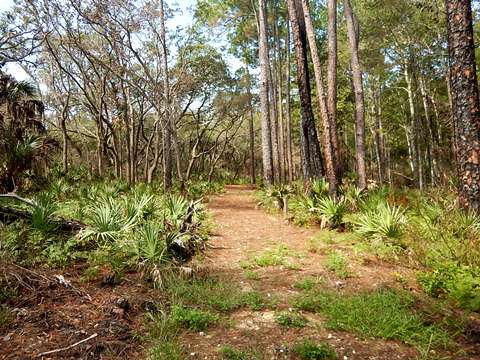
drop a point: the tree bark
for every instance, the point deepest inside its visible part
(332, 82)
(288, 112)
(327, 132)
(359, 98)
(167, 131)
(251, 131)
(264, 98)
(466, 106)
(312, 163)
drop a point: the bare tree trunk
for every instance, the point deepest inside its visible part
(167, 128)
(251, 131)
(312, 162)
(264, 98)
(359, 98)
(63, 126)
(415, 146)
(274, 123)
(466, 105)
(430, 141)
(288, 108)
(332, 83)
(327, 132)
(279, 100)
(379, 135)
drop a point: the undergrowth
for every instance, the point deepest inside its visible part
(384, 314)
(424, 229)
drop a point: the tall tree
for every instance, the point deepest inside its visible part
(312, 162)
(352, 33)
(332, 79)
(288, 112)
(327, 131)
(264, 91)
(466, 106)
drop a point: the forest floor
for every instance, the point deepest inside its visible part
(264, 252)
(249, 249)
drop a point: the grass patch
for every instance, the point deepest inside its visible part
(170, 350)
(256, 300)
(193, 319)
(291, 320)
(280, 256)
(382, 314)
(215, 295)
(229, 353)
(162, 333)
(307, 283)
(309, 350)
(338, 263)
(205, 292)
(252, 275)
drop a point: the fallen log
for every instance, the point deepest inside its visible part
(9, 215)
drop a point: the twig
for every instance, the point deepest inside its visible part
(68, 347)
(13, 195)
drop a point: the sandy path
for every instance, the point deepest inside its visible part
(242, 231)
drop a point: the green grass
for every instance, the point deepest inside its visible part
(307, 283)
(383, 314)
(309, 350)
(256, 300)
(291, 320)
(215, 295)
(230, 353)
(170, 350)
(193, 319)
(251, 275)
(279, 256)
(338, 263)
(162, 333)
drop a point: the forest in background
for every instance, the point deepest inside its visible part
(99, 73)
(357, 118)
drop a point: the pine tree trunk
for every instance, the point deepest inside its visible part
(332, 84)
(359, 98)
(312, 162)
(288, 113)
(279, 76)
(251, 131)
(264, 98)
(327, 132)
(466, 106)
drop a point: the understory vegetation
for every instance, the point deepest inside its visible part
(120, 227)
(422, 229)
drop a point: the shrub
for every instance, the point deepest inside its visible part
(331, 212)
(386, 223)
(319, 189)
(460, 283)
(43, 212)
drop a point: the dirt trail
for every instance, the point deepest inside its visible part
(243, 232)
